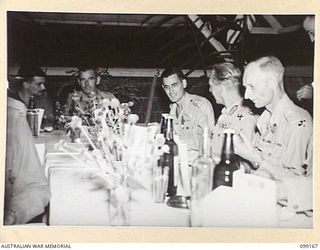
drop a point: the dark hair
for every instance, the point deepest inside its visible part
(86, 68)
(172, 71)
(26, 74)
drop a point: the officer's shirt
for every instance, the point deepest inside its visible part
(195, 114)
(237, 117)
(285, 137)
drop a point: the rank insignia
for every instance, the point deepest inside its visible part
(302, 123)
(240, 116)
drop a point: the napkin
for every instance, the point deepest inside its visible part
(251, 202)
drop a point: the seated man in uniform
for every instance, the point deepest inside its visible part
(26, 187)
(282, 149)
(83, 101)
(225, 82)
(191, 113)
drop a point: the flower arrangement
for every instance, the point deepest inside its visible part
(119, 151)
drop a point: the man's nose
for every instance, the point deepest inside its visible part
(311, 36)
(170, 89)
(43, 87)
(247, 94)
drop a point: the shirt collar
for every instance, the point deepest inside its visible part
(227, 111)
(277, 115)
(15, 95)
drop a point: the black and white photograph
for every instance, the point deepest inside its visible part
(159, 120)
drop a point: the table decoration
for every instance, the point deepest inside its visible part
(122, 153)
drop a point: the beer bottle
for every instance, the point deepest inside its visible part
(171, 159)
(163, 125)
(223, 172)
(31, 104)
(202, 170)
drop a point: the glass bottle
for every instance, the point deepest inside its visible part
(202, 170)
(163, 125)
(223, 172)
(31, 104)
(171, 159)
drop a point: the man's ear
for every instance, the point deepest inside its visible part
(184, 83)
(273, 82)
(98, 80)
(26, 85)
(78, 81)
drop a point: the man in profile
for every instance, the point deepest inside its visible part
(282, 149)
(191, 113)
(26, 187)
(88, 79)
(225, 83)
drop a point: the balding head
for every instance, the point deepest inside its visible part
(263, 79)
(269, 65)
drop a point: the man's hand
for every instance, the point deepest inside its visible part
(305, 92)
(244, 148)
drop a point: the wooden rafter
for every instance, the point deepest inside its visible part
(206, 32)
(273, 22)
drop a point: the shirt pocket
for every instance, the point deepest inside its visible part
(271, 151)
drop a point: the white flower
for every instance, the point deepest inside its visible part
(133, 118)
(76, 122)
(114, 103)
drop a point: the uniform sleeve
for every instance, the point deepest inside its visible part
(299, 193)
(208, 112)
(248, 126)
(299, 146)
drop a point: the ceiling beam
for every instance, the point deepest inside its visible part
(206, 32)
(290, 29)
(273, 22)
(264, 30)
(105, 23)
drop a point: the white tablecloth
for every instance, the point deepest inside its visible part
(78, 199)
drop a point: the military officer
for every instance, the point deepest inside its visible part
(282, 149)
(191, 113)
(82, 101)
(225, 84)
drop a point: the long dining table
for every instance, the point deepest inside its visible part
(79, 199)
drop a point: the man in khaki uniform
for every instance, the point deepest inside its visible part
(225, 84)
(82, 101)
(282, 149)
(191, 113)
